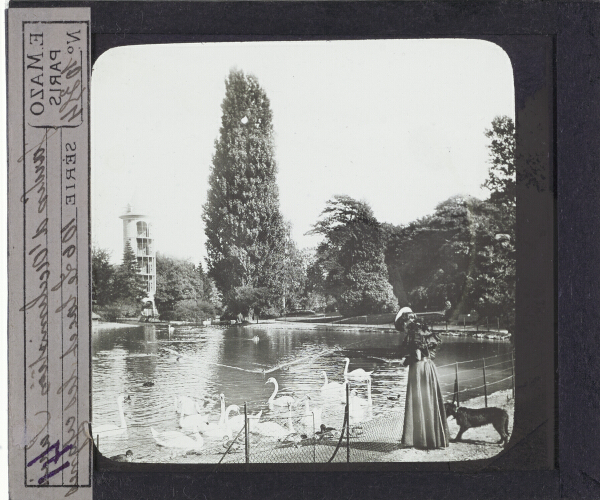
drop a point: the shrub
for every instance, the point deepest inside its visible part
(167, 315)
(193, 310)
(109, 313)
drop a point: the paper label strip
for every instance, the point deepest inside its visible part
(48, 212)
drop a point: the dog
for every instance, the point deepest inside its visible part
(478, 417)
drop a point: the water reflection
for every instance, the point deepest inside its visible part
(154, 368)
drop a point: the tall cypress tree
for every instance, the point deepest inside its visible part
(243, 224)
(129, 284)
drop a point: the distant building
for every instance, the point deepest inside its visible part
(137, 229)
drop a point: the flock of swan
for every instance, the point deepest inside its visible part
(228, 427)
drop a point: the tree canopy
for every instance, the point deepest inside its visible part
(501, 180)
(183, 291)
(102, 277)
(351, 257)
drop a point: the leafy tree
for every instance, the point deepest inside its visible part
(293, 274)
(315, 295)
(497, 279)
(437, 255)
(179, 280)
(246, 234)
(465, 251)
(495, 282)
(129, 285)
(102, 277)
(501, 179)
(243, 298)
(352, 258)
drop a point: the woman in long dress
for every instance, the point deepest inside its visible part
(425, 424)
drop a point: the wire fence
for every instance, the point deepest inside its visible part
(299, 434)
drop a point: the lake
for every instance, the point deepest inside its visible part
(153, 368)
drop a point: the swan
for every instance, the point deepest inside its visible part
(359, 410)
(330, 386)
(342, 393)
(292, 438)
(222, 417)
(221, 428)
(236, 423)
(105, 430)
(358, 375)
(273, 429)
(187, 405)
(176, 439)
(283, 400)
(307, 420)
(196, 421)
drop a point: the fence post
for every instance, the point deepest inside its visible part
(456, 387)
(348, 422)
(314, 440)
(512, 365)
(484, 383)
(246, 434)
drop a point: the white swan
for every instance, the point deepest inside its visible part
(196, 421)
(105, 430)
(358, 375)
(176, 439)
(307, 419)
(283, 400)
(273, 429)
(294, 438)
(342, 393)
(221, 428)
(359, 410)
(236, 423)
(330, 386)
(187, 405)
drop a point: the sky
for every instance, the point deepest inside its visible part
(398, 124)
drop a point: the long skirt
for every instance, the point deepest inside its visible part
(425, 424)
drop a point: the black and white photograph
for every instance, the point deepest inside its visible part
(303, 252)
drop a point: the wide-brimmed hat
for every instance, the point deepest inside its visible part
(399, 321)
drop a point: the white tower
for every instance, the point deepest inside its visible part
(137, 229)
